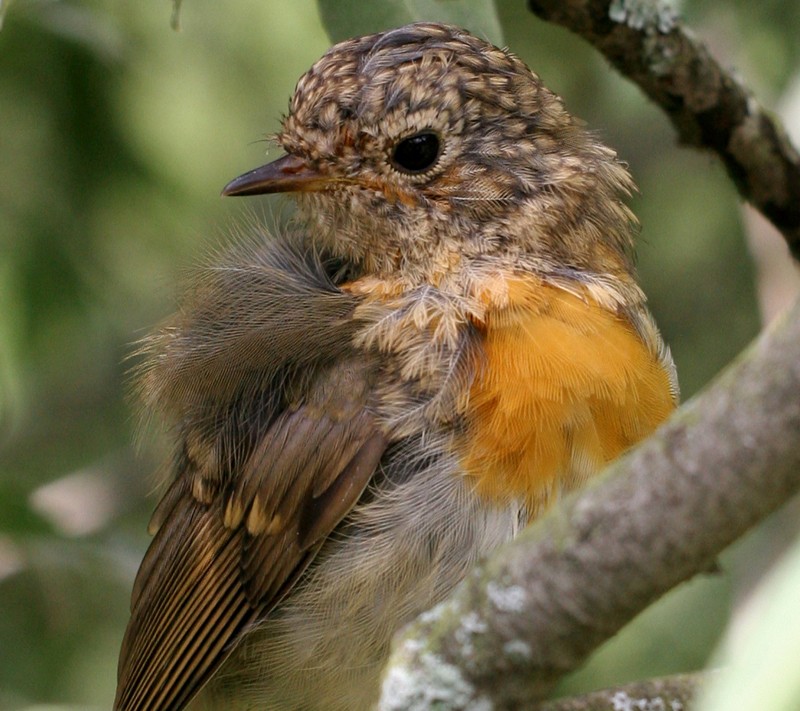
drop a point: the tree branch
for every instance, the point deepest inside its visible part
(671, 693)
(660, 515)
(538, 608)
(708, 106)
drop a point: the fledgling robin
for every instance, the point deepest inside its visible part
(449, 338)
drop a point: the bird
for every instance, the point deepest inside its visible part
(446, 338)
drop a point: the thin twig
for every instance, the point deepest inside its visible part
(708, 105)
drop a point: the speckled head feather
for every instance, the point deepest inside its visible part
(514, 172)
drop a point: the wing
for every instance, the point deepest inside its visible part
(258, 372)
(230, 545)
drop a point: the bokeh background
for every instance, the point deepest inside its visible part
(117, 133)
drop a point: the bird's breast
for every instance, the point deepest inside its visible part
(565, 386)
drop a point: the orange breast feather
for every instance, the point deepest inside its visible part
(566, 387)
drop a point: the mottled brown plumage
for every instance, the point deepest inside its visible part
(450, 337)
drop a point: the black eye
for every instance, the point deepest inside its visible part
(417, 153)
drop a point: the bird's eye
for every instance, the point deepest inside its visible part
(417, 153)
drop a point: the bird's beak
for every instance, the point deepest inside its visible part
(284, 175)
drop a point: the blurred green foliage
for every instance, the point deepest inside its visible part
(347, 18)
(761, 652)
(116, 135)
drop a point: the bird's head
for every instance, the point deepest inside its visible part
(420, 147)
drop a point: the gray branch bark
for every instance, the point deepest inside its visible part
(708, 105)
(672, 693)
(655, 518)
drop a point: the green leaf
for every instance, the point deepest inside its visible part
(350, 18)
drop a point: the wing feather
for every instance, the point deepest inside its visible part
(203, 584)
(259, 374)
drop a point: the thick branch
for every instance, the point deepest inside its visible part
(707, 105)
(671, 693)
(657, 517)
